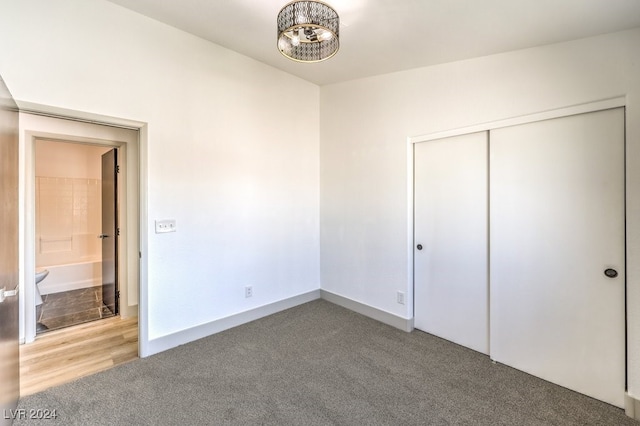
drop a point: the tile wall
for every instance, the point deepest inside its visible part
(68, 215)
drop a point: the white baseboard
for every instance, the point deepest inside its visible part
(631, 406)
(128, 311)
(185, 336)
(368, 311)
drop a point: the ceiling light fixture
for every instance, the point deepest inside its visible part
(308, 31)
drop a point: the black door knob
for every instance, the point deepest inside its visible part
(419, 246)
(611, 273)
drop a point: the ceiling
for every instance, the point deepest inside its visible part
(383, 36)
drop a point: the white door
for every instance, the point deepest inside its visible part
(450, 276)
(557, 224)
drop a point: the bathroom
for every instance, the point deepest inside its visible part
(68, 244)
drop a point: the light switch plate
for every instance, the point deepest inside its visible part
(165, 225)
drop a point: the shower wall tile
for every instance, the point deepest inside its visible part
(68, 220)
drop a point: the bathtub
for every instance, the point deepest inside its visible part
(71, 276)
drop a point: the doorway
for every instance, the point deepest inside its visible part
(76, 237)
(56, 130)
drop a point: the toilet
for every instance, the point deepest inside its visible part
(40, 275)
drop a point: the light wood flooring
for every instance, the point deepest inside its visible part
(67, 354)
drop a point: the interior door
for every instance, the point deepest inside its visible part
(451, 254)
(109, 231)
(557, 251)
(9, 353)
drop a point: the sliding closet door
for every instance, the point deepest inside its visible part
(451, 239)
(557, 251)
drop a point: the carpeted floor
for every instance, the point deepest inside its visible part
(317, 364)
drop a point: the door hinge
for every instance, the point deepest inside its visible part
(117, 294)
(118, 168)
(117, 232)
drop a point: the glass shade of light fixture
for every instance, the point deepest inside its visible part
(308, 31)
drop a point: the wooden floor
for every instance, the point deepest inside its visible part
(64, 355)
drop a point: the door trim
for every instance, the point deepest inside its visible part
(529, 118)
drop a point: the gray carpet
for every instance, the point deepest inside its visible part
(318, 364)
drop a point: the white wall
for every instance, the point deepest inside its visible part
(240, 177)
(363, 155)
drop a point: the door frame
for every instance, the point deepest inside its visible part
(38, 124)
(483, 127)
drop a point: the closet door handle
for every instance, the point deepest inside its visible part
(103, 236)
(419, 246)
(611, 273)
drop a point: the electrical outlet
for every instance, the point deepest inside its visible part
(166, 225)
(248, 291)
(400, 297)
